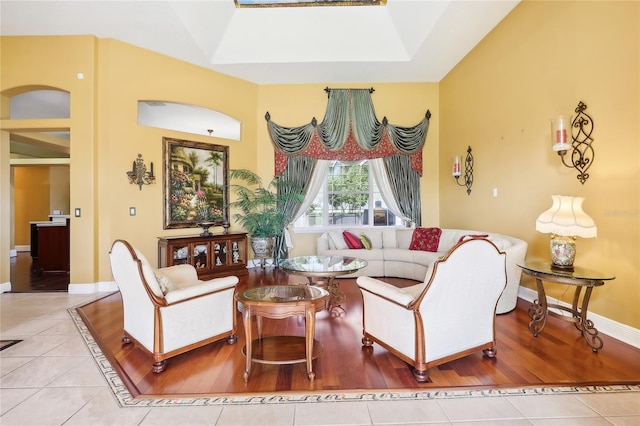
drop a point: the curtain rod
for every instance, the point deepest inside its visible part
(328, 90)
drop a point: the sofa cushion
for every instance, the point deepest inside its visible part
(389, 239)
(352, 240)
(336, 241)
(374, 235)
(403, 236)
(366, 242)
(425, 239)
(418, 257)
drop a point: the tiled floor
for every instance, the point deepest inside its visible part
(50, 379)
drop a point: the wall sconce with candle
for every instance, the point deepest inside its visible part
(468, 170)
(582, 152)
(139, 174)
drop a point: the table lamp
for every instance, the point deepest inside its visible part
(565, 221)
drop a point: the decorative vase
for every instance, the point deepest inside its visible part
(263, 248)
(563, 252)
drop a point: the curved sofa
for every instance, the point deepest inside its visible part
(390, 256)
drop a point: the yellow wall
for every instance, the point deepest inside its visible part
(402, 104)
(540, 61)
(31, 202)
(105, 136)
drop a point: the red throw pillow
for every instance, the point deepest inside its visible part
(470, 236)
(352, 240)
(425, 239)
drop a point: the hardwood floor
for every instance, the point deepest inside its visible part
(24, 280)
(558, 356)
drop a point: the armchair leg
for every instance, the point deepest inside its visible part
(158, 367)
(421, 376)
(231, 340)
(491, 352)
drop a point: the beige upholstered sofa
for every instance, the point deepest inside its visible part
(390, 255)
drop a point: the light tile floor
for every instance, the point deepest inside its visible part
(51, 379)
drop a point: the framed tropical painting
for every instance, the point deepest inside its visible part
(195, 183)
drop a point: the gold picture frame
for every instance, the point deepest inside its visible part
(195, 184)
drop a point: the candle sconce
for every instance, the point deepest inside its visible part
(468, 170)
(582, 153)
(139, 174)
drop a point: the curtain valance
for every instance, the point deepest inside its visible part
(350, 131)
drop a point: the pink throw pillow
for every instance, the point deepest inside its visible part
(425, 239)
(352, 240)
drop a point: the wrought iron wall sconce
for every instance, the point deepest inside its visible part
(582, 152)
(139, 174)
(468, 170)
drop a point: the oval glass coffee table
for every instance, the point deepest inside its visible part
(321, 270)
(281, 302)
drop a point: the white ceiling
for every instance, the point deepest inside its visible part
(402, 41)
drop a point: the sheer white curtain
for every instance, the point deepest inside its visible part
(317, 180)
(382, 180)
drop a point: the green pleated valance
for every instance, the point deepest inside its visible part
(350, 131)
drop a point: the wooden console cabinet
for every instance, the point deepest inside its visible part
(213, 256)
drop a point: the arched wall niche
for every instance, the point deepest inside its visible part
(188, 118)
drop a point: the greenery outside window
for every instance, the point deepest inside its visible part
(349, 197)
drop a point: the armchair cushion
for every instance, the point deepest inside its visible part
(401, 296)
(189, 289)
(166, 284)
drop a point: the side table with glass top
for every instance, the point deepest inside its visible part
(324, 269)
(580, 278)
(279, 302)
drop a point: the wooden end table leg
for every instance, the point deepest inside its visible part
(538, 311)
(589, 332)
(309, 333)
(246, 319)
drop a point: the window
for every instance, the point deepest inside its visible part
(346, 199)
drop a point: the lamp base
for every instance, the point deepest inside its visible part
(563, 252)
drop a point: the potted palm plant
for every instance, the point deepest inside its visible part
(259, 208)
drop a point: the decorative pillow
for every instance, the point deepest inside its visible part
(352, 240)
(425, 239)
(366, 242)
(165, 283)
(337, 241)
(471, 236)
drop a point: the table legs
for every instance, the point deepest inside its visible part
(337, 296)
(539, 311)
(310, 316)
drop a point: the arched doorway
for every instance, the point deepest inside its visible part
(40, 188)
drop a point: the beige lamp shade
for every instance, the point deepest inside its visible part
(566, 218)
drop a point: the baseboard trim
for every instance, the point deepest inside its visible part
(99, 287)
(622, 332)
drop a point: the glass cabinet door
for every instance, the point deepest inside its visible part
(220, 253)
(180, 254)
(237, 252)
(200, 255)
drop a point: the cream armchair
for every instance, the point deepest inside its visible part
(169, 311)
(449, 316)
